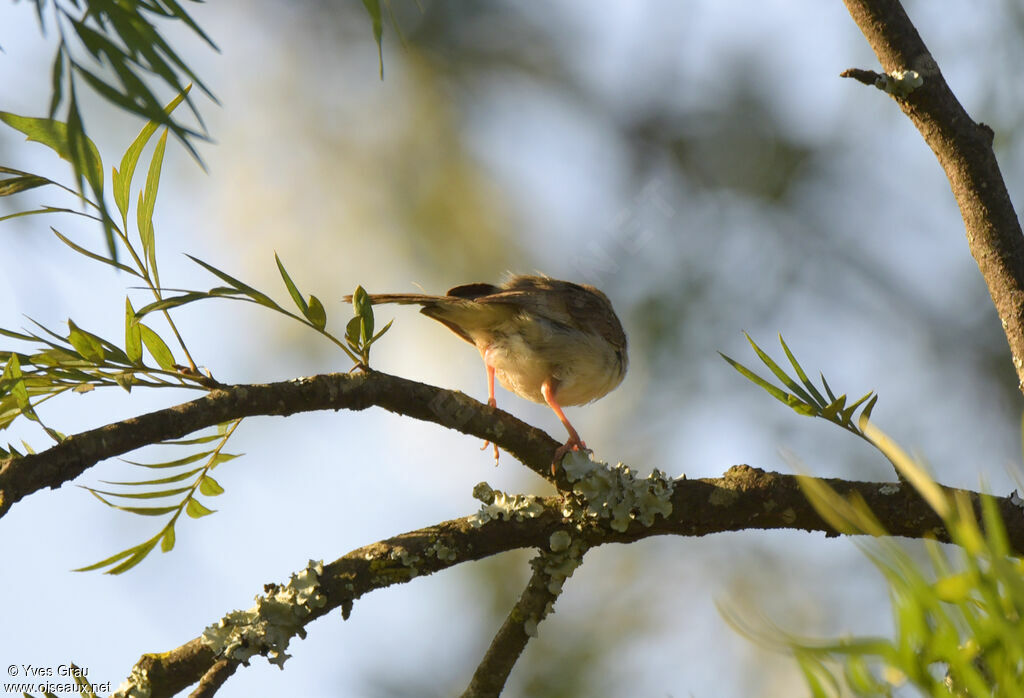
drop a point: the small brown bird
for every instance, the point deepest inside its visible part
(546, 340)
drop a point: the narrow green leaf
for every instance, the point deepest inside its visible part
(113, 353)
(142, 511)
(179, 12)
(146, 203)
(373, 8)
(137, 98)
(847, 414)
(123, 100)
(97, 43)
(173, 302)
(364, 311)
(118, 556)
(316, 314)
(158, 349)
(17, 335)
(57, 79)
(86, 163)
(995, 529)
(167, 540)
(293, 290)
(828, 390)
(15, 383)
(172, 463)
(379, 334)
(139, 554)
(257, 296)
(64, 358)
(210, 487)
(83, 154)
(793, 386)
(352, 332)
(132, 334)
(800, 373)
(865, 416)
(223, 458)
(50, 209)
(85, 343)
(197, 440)
(159, 481)
(93, 255)
(157, 494)
(49, 332)
(820, 682)
(774, 391)
(125, 379)
(196, 510)
(123, 179)
(832, 410)
(54, 135)
(57, 436)
(14, 185)
(84, 687)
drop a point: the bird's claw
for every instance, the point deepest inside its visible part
(495, 446)
(573, 444)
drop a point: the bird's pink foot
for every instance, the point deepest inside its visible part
(573, 444)
(491, 402)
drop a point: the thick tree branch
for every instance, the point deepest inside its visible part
(744, 498)
(964, 149)
(67, 460)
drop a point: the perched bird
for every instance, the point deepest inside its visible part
(546, 340)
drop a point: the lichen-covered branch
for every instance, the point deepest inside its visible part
(964, 149)
(604, 505)
(21, 476)
(285, 610)
(520, 625)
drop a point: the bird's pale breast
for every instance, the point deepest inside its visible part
(527, 350)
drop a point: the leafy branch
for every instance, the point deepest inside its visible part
(804, 397)
(123, 37)
(957, 620)
(359, 336)
(81, 361)
(201, 483)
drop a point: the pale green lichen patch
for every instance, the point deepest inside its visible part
(135, 686)
(559, 566)
(267, 627)
(441, 551)
(615, 493)
(407, 559)
(899, 83)
(552, 569)
(559, 541)
(498, 505)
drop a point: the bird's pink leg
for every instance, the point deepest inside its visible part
(493, 403)
(575, 443)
